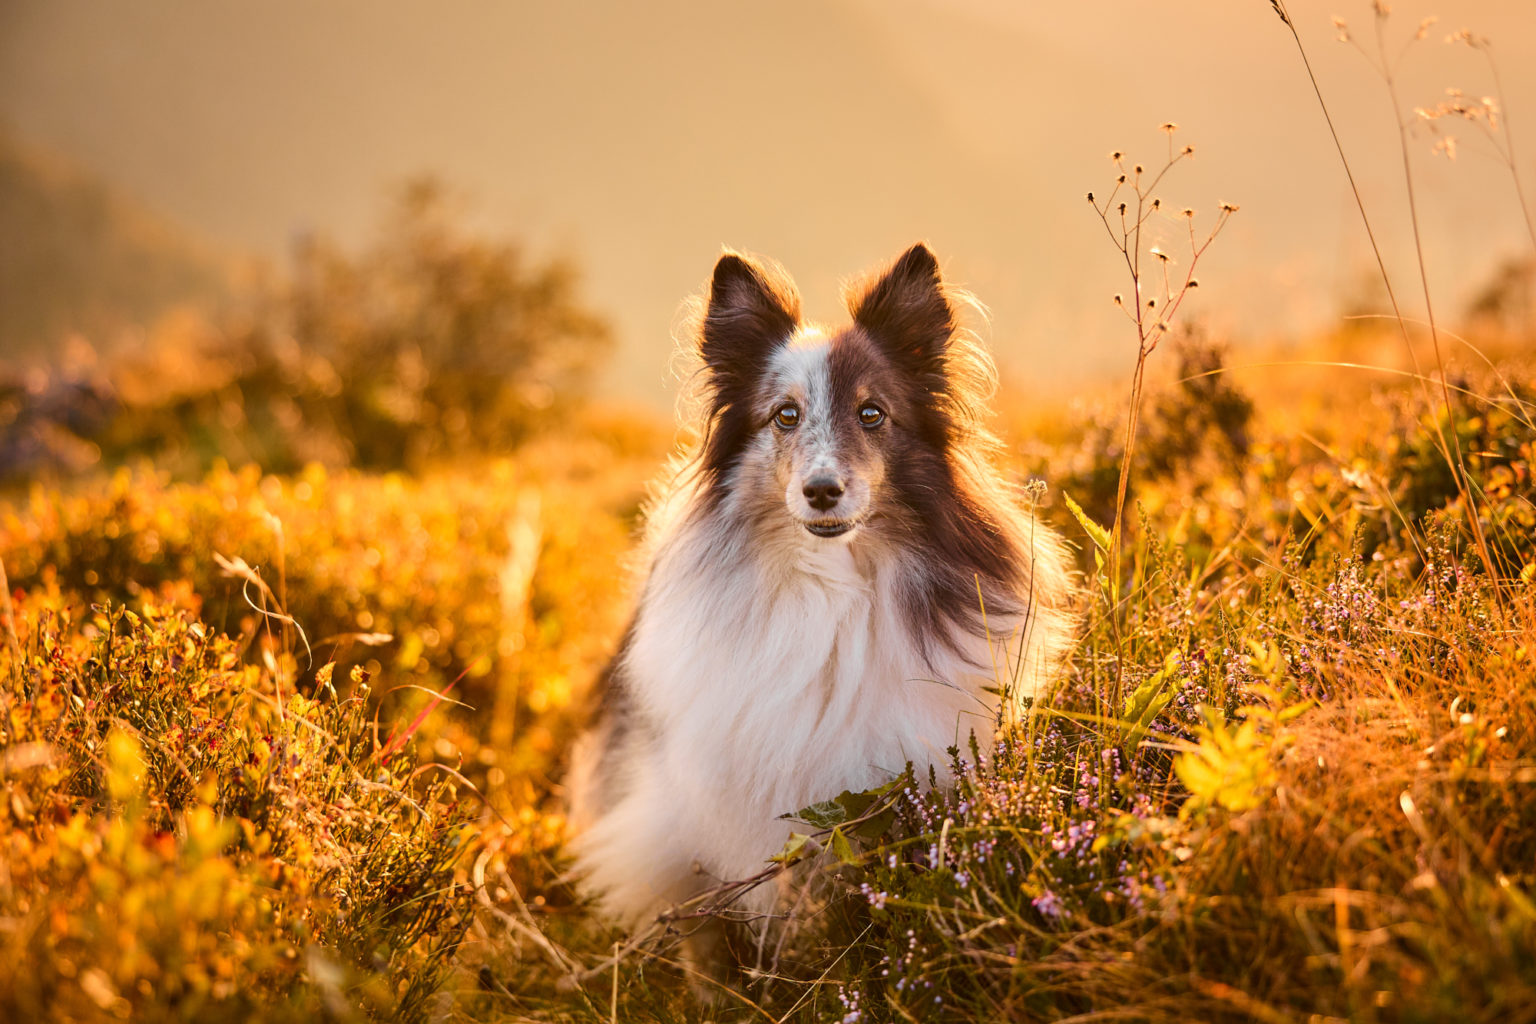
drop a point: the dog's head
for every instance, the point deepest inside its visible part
(837, 430)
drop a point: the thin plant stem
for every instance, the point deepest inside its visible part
(1453, 458)
(1459, 469)
(1509, 141)
(1152, 322)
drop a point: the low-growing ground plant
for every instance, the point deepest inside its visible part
(190, 836)
(410, 577)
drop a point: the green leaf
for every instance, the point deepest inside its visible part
(849, 805)
(1096, 533)
(1148, 700)
(843, 848)
(877, 826)
(1228, 767)
(1295, 711)
(794, 849)
(854, 804)
(825, 814)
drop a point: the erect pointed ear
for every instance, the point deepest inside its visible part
(906, 310)
(752, 310)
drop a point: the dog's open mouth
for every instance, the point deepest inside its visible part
(831, 527)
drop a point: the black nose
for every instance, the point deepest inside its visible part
(823, 491)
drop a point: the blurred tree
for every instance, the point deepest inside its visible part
(78, 255)
(442, 342)
(429, 344)
(1507, 300)
(1201, 423)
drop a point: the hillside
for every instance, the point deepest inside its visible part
(81, 256)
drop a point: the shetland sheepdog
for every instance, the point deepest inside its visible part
(836, 582)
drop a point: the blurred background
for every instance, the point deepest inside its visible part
(412, 231)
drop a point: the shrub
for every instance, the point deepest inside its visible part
(192, 837)
(429, 345)
(404, 577)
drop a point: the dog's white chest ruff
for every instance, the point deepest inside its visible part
(762, 692)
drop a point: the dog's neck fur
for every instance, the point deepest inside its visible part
(809, 672)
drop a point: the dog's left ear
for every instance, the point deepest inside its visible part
(905, 310)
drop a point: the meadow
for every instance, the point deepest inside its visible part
(301, 609)
(1289, 773)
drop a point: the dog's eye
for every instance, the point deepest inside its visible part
(787, 417)
(871, 415)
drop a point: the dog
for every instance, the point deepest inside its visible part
(835, 583)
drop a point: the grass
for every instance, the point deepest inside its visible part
(1312, 799)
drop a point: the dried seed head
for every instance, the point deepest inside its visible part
(1424, 27)
(1168, 126)
(1229, 207)
(1188, 151)
(1122, 209)
(1138, 168)
(1381, 7)
(1090, 197)
(1156, 203)
(1117, 156)
(1187, 212)
(1120, 180)
(1119, 300)
(1193, 283)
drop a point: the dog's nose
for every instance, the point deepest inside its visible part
(823, 491)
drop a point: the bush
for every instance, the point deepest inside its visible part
(192, 837)
(442, 343)
(430, 345)
(408, 578)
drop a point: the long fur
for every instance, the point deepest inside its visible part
(770, 664)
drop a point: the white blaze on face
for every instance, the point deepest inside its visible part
(813, 449)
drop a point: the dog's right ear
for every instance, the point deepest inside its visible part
(752, 310)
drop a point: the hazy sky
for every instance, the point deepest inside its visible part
(638, 138)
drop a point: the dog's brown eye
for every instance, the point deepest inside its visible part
(787, 417)
(871, 415)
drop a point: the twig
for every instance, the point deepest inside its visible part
(526, 927)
